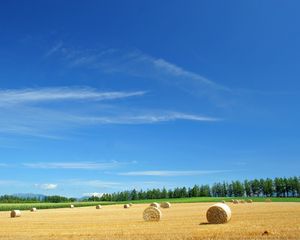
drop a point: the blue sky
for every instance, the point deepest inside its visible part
(112, 95)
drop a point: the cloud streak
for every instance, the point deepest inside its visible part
(47, 186)
(163, 173)
(13, 96)
(147, 118)
(33, 112)
(139, 64)
(40, 122)
(75, 165)
(94, 194)
(94, 183)
(56, 48)
(176, 71)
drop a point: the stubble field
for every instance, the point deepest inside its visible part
(181, 221)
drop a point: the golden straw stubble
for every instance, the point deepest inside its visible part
(152, 214)
(218, 213)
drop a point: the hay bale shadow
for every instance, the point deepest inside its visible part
(205, 223)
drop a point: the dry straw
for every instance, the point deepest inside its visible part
(218, 213)
(126, 206)
(152, 214)
(130, 204)
(154, 204)
(165, 205)
(71, 206)
(223, 201)
(33, 209)
(15, 213)
(242, 201)
(249, 201)
(235, 201)
(268, 200)
(98, 207)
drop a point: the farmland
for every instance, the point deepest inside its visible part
(41, 205)
(216, 199)
(181, 221)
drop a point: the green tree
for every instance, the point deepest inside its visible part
(268, 187)
(205, 191)
(134, 195)
(255, 187)
(195, 191)
(279, 187)
(247, 186)
(230, 190)
(238, 189)
(164, 193)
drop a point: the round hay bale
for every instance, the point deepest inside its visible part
(152, 214)
(235, 201)
(33, 209)
(15, 213)
(165, 205)
(98, 207)
(126, 206)
(242, 201)
(218, 213)
(71, 206)
(268, 200)
(232, 200)
(130, 204)
(154, 204)
(249, 201)
(223, 201)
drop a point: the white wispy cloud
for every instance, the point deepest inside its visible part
(93, 183)
(163, 173)
(23, 113)
(142, 185)
(146, 118)
(54, 49)
(10, 96)
(94, 194)
(44, 122)
(47, 186)
(32, 121)
(174, 70)
(137, 63)
(75, 165)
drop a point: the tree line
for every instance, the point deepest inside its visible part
(277, 187)
(46, 199)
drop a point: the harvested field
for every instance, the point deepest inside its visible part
(182, 221)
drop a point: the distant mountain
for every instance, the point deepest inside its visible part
(30, 195)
